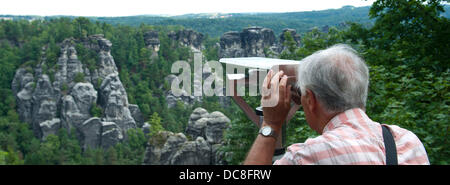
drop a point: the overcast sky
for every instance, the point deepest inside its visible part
(168, 7)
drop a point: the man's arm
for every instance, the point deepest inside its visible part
(263, 148)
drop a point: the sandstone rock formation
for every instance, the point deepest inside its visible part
(152, 42)
(230, 45)
(167, 148)
(209, 126)
(49, 127)
(256, 39)
(185, 98)
(114, 100)
(253, 42)
(49, 98)
(217, 122)
(111, 134)
(189, 99)
(189, 38)
(136, 114)
(76, 105)
(91, 132)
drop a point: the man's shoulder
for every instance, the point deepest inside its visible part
(410, 149)
(401, 134)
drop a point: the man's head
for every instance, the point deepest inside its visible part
(332, 81)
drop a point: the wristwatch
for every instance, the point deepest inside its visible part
(267, 131)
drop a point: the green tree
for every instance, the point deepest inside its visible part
(82, 27)
(70, 150)
(79, 77)
(238, 139)
(96, 111)
(132, 151)
(240, 136)
(48, 152)
(111, 157)
(3, 155)
(155, 122)
(412, 30)
(290, 44)
(144, 57)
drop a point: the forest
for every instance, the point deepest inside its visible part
(214, 26)
(405, 46)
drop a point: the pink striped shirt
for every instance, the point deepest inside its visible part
(352, 138)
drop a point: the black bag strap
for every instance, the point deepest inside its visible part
(389, 145)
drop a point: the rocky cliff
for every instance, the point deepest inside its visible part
(184, 98)
(205, 129)
(56, 97)
(152, 42)
(193, 40)
(253, 42)
(188, 99)
(188, 38)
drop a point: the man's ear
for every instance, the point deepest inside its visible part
(312, 101)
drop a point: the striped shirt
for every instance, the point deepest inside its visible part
(352, 138)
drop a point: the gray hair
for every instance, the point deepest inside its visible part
(338, 77)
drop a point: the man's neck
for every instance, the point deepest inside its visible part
(325, 119)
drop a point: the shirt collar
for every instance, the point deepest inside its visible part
(345, 117)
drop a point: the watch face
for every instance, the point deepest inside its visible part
(266, 131)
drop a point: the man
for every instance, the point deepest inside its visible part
(333, 85)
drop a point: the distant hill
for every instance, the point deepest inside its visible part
(215, 24)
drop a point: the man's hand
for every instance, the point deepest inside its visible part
(276, 90)
(277, 94)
